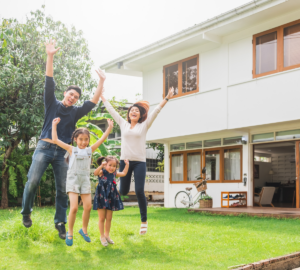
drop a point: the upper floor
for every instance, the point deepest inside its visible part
(237, 70)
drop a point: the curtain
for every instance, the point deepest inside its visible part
(292, 45)
(266, 53)
(194, 166)
(177, 167)
(232, 158)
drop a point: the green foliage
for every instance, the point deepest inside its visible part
(22, 78)
(206, 197)
(160, 147)
(161, 166)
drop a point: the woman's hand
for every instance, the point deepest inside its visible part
(50, 47)
(55, 121)
(171, 93)
(110, 124)
(101, 74)
(126, 161)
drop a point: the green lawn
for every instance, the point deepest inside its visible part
(176, 239)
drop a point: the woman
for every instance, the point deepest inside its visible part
(133, 147)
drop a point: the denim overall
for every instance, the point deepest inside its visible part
(78, 175)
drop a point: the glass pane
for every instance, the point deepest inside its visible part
(211, 143)
(193, 145)
(288, 135)
(177, 167)
(232, 140)
(189, 75)
(171, 79)
(212, 165)
(292, 45)
(193, 166)
(179, 146)
(266, 53)
(232, 164)
(263, 137)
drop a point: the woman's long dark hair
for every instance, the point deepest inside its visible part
(143, 106)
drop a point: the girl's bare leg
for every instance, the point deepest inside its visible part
(87, 206)
(108, 218)
(73, 210)
(101, 214)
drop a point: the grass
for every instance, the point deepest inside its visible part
(176, 239)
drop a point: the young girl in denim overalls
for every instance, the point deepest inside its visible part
(107, 198)
(78, 177)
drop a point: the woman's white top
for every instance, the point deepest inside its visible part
(133, 146)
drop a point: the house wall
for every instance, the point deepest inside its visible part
(229, 102)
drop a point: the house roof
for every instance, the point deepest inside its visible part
(209, 31)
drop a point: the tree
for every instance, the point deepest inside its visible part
(22, 70)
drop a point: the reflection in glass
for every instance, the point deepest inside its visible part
(178, 146)
(212, 143)
(177, 167)
(171, 78)
(232, 140)
(291, 38)
(266, 53)
(212, 164)
(232, 164)
(193, 166)
(288, 135)
(263, 137)
(193, 145)
(189, 75)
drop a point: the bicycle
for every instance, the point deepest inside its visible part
(184, 199)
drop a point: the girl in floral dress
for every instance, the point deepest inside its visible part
(107, 198)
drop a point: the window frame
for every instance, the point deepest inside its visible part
(185, 153)
(202, 154)
(179, 63)
(280, 50)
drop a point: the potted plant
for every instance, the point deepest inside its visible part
(206, 201)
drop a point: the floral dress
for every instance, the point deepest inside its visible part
(107, 195)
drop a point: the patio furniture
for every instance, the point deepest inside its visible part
(265, 196)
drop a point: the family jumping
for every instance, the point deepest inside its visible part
(71, 164)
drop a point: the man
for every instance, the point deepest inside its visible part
(48, 153)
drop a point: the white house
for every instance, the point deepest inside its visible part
(236, 109)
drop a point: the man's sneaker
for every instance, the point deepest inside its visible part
(61, 230)
(27, 222)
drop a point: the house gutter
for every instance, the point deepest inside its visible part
(117, 63)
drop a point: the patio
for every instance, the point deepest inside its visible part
(253, 211)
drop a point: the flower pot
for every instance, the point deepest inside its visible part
(206, 203)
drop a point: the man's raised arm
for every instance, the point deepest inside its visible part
(50, 50)
(99, 89)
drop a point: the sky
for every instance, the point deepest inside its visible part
(114, 28)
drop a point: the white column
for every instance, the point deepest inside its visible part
(166, 175)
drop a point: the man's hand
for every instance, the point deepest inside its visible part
(171, 92)
(126, 161)
(101, 75)
(50, 47)
(110, 124)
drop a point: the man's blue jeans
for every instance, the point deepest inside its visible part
(45, 154)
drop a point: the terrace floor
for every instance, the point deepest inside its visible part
(253, 211)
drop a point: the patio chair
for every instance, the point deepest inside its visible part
(265, 196)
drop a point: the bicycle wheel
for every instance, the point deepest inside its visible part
(182, 200)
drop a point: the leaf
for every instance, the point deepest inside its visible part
(4, 44)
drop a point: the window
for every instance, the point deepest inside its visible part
(265, 137)
(152, 165)
(276, 50)
(183, 76)
(223, 165)
(232, 140)
(178, 146)
(288, 135)
(193, 145)
(186, 166)
(212, 143)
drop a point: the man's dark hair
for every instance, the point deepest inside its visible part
(76, 88)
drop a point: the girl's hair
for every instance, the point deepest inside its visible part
(107, 159)
(143, 106)
(75, 134)
(79, 131)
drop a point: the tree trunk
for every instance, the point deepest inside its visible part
(4, 189)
